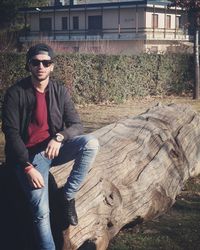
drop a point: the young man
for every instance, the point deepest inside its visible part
(42, 129)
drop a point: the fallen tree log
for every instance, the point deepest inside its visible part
(141, 167)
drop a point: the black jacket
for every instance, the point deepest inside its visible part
(18, 105)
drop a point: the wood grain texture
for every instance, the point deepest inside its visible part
(141, 167)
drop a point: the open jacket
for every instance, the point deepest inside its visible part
(18, 105)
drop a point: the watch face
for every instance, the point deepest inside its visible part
(59, 138)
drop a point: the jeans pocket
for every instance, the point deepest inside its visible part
(45, 158)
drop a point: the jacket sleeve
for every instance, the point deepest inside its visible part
(11, 127)
(73, 125)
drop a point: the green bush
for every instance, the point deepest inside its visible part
(12, 69)
(101, 78)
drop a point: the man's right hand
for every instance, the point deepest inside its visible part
(35, 178)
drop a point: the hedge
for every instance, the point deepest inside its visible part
(100, 78)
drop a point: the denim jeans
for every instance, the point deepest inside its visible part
(81, 149)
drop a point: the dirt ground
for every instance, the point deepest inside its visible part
(97, 116)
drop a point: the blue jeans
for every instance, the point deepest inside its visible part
(81, 149)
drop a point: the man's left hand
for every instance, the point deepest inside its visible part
(52, 149)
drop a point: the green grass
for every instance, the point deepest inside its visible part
(143, 242)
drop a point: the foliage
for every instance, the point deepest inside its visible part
(191, 6)
(193, 9)
(102, 78)
(187, 4)
(9, 9)
(8, 40)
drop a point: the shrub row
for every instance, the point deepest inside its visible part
(100, 78)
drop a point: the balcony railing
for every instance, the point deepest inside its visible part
(107, 34)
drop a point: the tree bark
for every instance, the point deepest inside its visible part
(141, 167)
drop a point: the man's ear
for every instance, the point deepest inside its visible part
(52, 67)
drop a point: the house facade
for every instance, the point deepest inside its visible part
(122, 27)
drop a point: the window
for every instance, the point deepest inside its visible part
(95, 24)
(75, 22)
(168, 22)
(64, 23)
(154, 21)
(178, 22)
(45, 24)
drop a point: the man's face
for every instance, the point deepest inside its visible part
(40, 67)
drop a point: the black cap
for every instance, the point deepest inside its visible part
(37, 49)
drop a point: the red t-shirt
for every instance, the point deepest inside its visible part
(38, 129)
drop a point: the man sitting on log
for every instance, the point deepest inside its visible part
(42, 129)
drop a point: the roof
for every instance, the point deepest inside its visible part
(158, 3)
(88, 6)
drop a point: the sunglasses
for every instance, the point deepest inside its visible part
(45, 63)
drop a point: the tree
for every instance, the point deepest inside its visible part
(192, 7)
(9, 10)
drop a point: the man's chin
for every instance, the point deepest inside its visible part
(40, 78)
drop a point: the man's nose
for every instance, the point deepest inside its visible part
(41, 65)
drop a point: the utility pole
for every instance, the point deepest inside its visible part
(196, 54)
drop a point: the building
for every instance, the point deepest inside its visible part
(122, 27)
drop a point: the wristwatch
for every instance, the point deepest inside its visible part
(58, 137)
